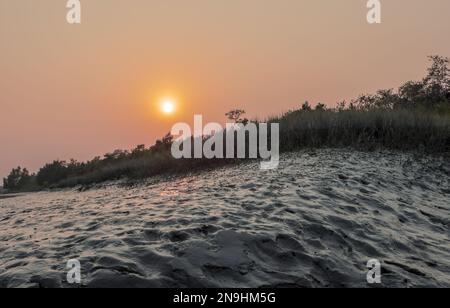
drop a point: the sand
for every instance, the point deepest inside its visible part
(314, 222)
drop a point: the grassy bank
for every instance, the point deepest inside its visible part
(415, 117)
(374, 129)
(408, 130)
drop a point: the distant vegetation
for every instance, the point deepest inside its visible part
(416, 116)
(19, 179)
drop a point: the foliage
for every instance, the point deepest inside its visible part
(235, 115)
(17, 179)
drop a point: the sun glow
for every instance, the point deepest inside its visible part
(168, 106)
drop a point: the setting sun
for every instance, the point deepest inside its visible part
(168, 106)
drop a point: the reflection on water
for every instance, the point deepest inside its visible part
(316, 221)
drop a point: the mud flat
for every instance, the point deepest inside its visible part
(314, 222)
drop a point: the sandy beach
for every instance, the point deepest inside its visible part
(315, 222)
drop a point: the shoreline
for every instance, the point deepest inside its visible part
(313, 223)
(170, 175)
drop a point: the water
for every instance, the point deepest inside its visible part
(314, 222)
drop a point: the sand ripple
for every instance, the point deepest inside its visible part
(315, 222)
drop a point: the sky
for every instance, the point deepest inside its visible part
(78, 91)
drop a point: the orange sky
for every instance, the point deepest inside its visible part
(83, 90)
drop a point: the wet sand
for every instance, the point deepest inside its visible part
(6, 196)
(314, 222)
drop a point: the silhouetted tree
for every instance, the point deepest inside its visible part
(163, 145)
(321, 107)
(437, 82)
(340, 106)
(17, 179)
(235, 115)
(411, 93)
(433, 90)
(116, 155)
(52, 173)
(138, 150)
(306, 106)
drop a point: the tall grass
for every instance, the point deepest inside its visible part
(402, 129)
(140, 168)
(363, 130)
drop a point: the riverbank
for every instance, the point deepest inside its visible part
(401, 130)
(314, 222)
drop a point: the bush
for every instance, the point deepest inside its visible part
(18, 179)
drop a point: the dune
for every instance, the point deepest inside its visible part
(314, 222)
